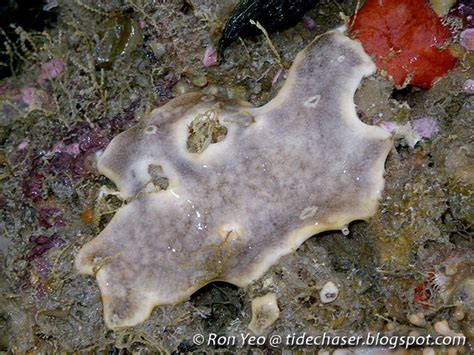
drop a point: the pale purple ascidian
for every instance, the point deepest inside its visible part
(299, 165)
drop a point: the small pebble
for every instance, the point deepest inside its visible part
(73, 149)
(199, 81)
(265, 312)
(329, 292)
(212, 90)
(181, 88)
(417, 319)
(442, 327)
(459, 313)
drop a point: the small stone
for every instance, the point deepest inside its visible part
(212, 89)
(459, 313)
(417, 319)
(442, 327)
(181, 88)
(265, 312)
(199, 81)
(329, 292)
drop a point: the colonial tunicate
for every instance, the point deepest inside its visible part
(220, 190)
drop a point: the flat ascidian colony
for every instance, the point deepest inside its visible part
(225, 227)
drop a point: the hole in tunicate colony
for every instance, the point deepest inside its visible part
(157, 176)
(205, 129)
(150, 129)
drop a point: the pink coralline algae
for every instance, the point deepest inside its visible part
(426, 127)
(24, 145)
(469, 86)
(58, 147)
(210, 57)
(33, 97)
(32, 186)
(72, 157)
(67, 161)
(50, 216)
(309, 22)
(467, 39)
(51, 70)
(388, 126)
(73, 149)
(42, 266)
(41, 244)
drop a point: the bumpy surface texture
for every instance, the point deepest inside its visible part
(301, 164)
